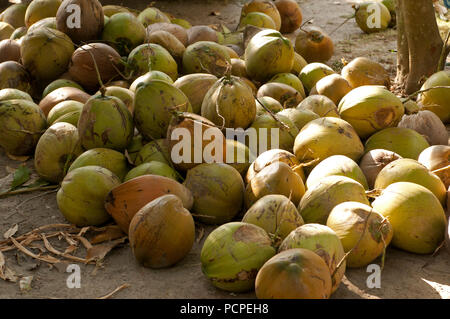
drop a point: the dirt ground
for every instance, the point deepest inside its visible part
(405, 275)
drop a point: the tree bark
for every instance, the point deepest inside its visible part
(419, 43)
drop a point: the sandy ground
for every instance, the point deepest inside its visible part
(405, 275)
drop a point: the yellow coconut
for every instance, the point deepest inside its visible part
(364, 233)
(333, 86)
(319, 104)
(325, 137)
(403, 141)
(370, 109)
(312, 73)
(336, 165)
(362, 71)
(277, 178)
(436, 100)
(272, 156)
(276, 214)
(319, 200)
(409, 170)
(416, 216)
(324, 242)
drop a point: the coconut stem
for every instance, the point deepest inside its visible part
(345, 21)
(273, 115)
(410, 97)
(442, 169)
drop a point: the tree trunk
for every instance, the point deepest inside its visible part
(419, 43)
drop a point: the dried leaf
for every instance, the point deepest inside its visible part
(84, 241)
(98, 253)
(10, 170)
(110, 233)
(21, 175)
(11, 232)
(25, 283)
(71, 249)
(18, 158)
(47, 259)
(115, 291)
(51, 249)
(201, 233)
(6, 273)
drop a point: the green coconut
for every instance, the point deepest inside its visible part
(136, 144)
(229, 103)
(40, 9)
(370, 109)
(18, 33)
(64, 108)
(46, 53)
(46, 23)
(319, 200)
(218, 191)
(232, 255)
(152, 57)
(403, 141)
(105, 122)
(110, 10)
(299, 64)
(299, 117)
(270, 49)
(319, 104)
(152, 15)
(257, 19)
(312, 73)
(267, 103)
(124, 31)
(15, 15)
(181, 22)
(195, 86)
(336, 165)
(289, 79)
(372, 16)
(14, 76)
(154, 104)
(324, 242)
(14, 94)
(416, 216)
(81, 198)
(325, 137)
(71, 118)
(436, 100)
(60, 83)
(57, 148)
(22, 123)
(275, 178)
(107, 158)
(147, 77)
(409, 170)
(153, 168)
(125, 95)
(364, 233)
(276, 214)
(238, 155)
(206, 57)
(278, 133)
(157, 150)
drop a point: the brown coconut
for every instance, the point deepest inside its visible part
(201, 33)
(428, 124)
(291, 15)
(91, 20)
(374, 161)
(60, 95)
(437, 159)
(175, 29)
(9, 51)
(314, 45)
(82, 66)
